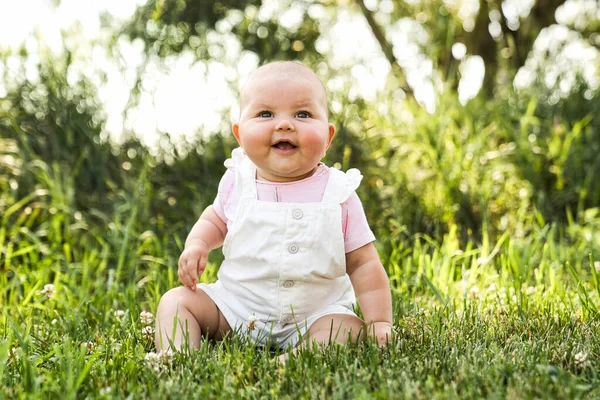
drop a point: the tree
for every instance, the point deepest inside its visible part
(502, 40)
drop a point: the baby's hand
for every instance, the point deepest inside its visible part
(192, 263)
(381, 332)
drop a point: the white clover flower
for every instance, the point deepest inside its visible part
(105, 391)
(13, 354)
(252, 322)
(148, 332)
(119, 313)
(54, 321)
(160, 360)
(597, 266)
(40, 330)
(474, 292)
(89, 346)
(151, 357)
(146, 317)
(48, 290)
(580, 359)
(166, 356)
(530, 290)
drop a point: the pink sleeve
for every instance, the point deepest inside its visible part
(226, 187)
(357, 232)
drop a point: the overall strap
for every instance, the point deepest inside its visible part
(340, 185)
(244, 172)
(246, 180)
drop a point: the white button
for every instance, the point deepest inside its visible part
(297, 214)
(293, 248)
(288, 284)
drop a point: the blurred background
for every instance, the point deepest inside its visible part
(467, 117)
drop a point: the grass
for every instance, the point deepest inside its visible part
(513, 317)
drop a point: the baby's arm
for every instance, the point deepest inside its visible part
(207, 234)
(372, 289)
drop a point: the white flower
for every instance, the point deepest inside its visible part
(252, 322)
(89, 346)
(48, 290)
(166, 356)
(580, 359)
(151, 357)
(530, 290)
(148, 332)
(119, 313)
(13, 354)
(474, 292)
(160, 360)
(105, 390)
(54, 321)
(146, 317)
(597, 266)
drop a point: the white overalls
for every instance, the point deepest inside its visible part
(285, 263)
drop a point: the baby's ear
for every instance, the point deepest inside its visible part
(331, 134)
(235, 128)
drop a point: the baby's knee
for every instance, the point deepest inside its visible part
(172, 299)
(356, 328)
(338, 328)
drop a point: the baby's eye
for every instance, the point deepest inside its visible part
(303, 114)
(265, 114)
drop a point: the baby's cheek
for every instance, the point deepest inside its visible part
(256, 144)
(315, 143)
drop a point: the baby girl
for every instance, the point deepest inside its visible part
(297, 246)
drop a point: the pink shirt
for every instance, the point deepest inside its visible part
(309, 190)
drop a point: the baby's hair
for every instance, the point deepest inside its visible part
(282, 69)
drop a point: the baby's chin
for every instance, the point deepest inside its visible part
(285, 176)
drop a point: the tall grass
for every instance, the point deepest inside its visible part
(508, 318)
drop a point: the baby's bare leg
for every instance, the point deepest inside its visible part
(332, 328)
(195, 311)
(335, 328)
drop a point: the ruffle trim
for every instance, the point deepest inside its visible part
(353, 179)
(238, 155)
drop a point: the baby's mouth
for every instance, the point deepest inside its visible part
(284, 146)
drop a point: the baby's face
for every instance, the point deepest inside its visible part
(283, 126)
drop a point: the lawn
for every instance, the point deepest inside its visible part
(515, 317)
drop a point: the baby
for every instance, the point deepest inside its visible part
(297, 246)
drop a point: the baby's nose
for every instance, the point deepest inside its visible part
(284, 125)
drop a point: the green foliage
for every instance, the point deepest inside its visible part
(54, 128)
(174, 26)
(171, 26)
(558, 148)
